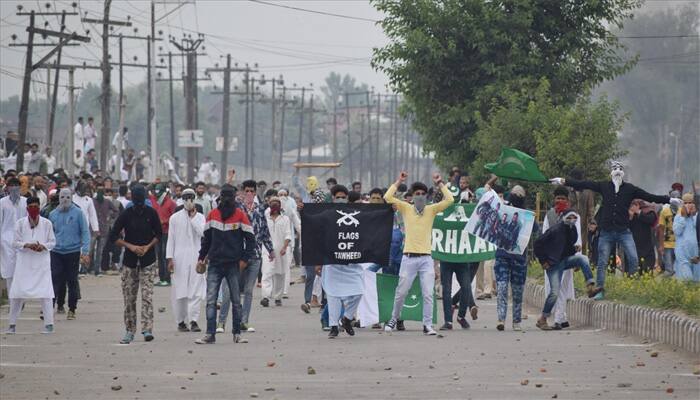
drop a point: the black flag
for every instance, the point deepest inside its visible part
(346, 233)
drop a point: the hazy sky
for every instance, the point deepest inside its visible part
(303, 46)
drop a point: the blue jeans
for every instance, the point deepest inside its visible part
(669, 258)
(215, 275)
(247, 282)
(511, 272)
(463, 273)
(554, 274)
(392, 269)
(309, 283)
(606, 242)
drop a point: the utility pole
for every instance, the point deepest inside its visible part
(54, 96)
(284, 103)
(71, 114)
(376, 144)
(369, 139)
(347, 131)
(311, 112)
(226, 108)
(30, 67)
(301, 123)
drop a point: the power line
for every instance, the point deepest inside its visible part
(313, 11)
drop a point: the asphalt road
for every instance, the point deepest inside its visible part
(83, 360)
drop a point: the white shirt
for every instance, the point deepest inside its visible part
(43, 198)
(90, 135)
(88, 208)
(117, 138)
(184, 239)
(78, 137)
(123, 200)
(50, 163)
(280, 231)
(10, 213)
(32, 278)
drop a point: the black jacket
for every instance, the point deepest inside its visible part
(140, 227)
(558, 243)
(614, 210)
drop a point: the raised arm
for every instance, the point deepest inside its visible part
(652, 198)
(447, 198)
(389, 195)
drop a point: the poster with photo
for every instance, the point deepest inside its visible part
(507, 227)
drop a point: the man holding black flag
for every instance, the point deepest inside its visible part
(418, 219)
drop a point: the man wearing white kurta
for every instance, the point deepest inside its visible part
(289, 208)
(12, 208)
(185, 231)
(78, 135)
(33, 238)
(273, 271)
(566, 290)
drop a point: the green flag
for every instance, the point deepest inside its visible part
(412, 307)
(514, 164)
(452, 243)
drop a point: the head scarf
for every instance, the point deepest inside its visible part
(227, 204)
(138, 196)
(617, 173)
(311, 184)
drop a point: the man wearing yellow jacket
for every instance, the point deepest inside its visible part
(418, 221)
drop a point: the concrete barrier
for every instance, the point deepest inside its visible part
(656, 325)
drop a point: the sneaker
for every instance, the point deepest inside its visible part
(428, 330)
(48, 329)
(11, 330)
(400, 326)
(250, 329)
(333, 333)
(278, 303)
(390, 325)
(60, 310)
(474, 311)
(306, 307)
(182, 327)
(556, 327)
(70, 315)
(599, 297)
(220, 327)
(516, 327)
(237, 338)
(148, 336)
(592, 290)
(162, 283)
(244, 327)
(463, 323)
(347, 325)
(357, 323)
(565, 325)
(206, 339)
(447, 326)
(194, 327)
(285, 296)
(128, 338)
(501, 326)
(543, 325)
(265, 302)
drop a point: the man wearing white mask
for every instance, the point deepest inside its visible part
(12, 208)
(273, 270)
(289, 208)
(33, 239)
(614, 217)
(185, 231)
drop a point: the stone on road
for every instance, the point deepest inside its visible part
(82, 358)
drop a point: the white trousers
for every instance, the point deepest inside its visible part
(318, 287)
(8, 283)
(16, 309)
(335, 305)
(287, 279)
(272, 285)
(566, 292)
(186, 309)
(410, 267)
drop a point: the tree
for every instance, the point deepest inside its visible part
(561, 137)
(451, 58)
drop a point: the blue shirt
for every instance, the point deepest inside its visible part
(71, 231)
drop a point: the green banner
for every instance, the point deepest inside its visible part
(452, 243)
(413, 305)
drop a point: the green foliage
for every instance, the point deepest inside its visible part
(451, 58)
(655, 291)
(560, 137)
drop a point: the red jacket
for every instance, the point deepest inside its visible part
(165, 210)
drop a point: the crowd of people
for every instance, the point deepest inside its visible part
(216, 244)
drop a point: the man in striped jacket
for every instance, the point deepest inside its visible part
(228, 244)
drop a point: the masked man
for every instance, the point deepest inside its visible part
(142, 231)
(12, 208)
(72, 245)
(33, 239)
(418, 220)
(185, 231)
(614, 217)
(274, 269)
(228, 244)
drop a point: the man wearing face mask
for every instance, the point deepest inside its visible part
(274, 268)
(106, 214)
(83, 200)
(249, 276)
(185, 231)
(33, 240)
(664, 232)
(165, 207)
(72, 246)
(12, 208)
(614, 217)
(418, 221)
(566, 288)
(228, 244)
(556, 251)
(142, 231)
